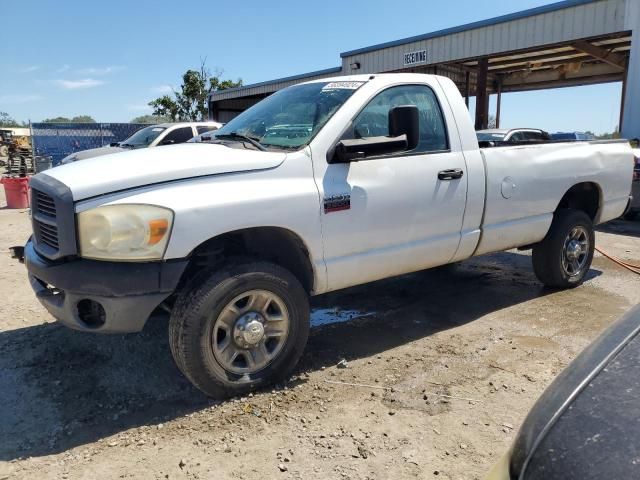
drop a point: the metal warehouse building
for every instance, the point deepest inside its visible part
(569, 43)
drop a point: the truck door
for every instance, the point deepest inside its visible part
(394, 213)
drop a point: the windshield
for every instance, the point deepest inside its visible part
(291, 117)
(143, 138)
(490, 137)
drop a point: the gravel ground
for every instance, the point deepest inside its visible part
(448, 361)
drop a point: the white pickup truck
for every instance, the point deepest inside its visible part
(148, 137)
(321, 186)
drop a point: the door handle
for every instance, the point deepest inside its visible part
(451, 174)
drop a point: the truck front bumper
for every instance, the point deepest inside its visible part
(98, 296)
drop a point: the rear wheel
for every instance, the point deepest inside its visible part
(239, 327)
(564, 257)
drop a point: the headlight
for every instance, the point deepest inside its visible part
(124, 232)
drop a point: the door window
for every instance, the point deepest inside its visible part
(373, 120)
(205, 128)
(179, 135)
(534, 136)
(517, 137)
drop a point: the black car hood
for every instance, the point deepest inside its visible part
(570, 386)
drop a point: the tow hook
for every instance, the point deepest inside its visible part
(17, 253)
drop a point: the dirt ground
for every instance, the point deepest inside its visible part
(453, 360)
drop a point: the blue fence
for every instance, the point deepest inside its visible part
(58, 140)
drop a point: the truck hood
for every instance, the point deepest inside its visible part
(92, 152)
(137, 168)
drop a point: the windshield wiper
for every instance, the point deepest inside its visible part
(240, 137)
(283, 147)
(126, 145)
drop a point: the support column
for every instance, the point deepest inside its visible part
(467, 87)
(623, 96)
(630, 127)
(498, 102)
(482, 99)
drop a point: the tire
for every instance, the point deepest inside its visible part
(631, 215)
(557, 261)
(210, 321)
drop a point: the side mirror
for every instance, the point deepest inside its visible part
(167, 142)
(404, 134)
(405, 120)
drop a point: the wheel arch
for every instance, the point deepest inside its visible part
(584, 196)
(276, 244)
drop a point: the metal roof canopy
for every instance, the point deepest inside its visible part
(568, 43)
(271, 86)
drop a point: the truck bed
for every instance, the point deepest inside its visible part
(525, 182)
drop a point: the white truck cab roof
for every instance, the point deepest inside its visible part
(512, 134)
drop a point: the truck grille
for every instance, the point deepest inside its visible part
(53, 218)
(44, 204)
(44, 214)
(48, 234)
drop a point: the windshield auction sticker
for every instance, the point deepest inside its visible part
(342, 85)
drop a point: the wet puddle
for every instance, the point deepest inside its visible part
(325, 316)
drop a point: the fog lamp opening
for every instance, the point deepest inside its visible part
(91, 313)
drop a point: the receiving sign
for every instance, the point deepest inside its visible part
(413, 58)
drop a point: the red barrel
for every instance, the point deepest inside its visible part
(16, 190)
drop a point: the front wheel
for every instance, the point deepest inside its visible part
(563, 258)
(239, 327)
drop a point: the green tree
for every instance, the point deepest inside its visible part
(57, 120)
(83, 119)
(189, 103)
(150, 119)
(609, 136)
(76, 119)
(7, 121)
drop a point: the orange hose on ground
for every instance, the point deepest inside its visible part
(629, 266)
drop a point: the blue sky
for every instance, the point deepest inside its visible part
(108, 59)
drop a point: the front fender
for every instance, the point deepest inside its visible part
(206, 208)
